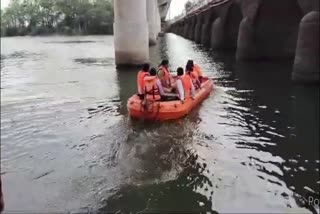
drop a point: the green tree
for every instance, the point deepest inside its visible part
(63, 16)
(32, 14)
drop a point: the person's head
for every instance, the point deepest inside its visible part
(146, 67)
(180, 71)
(189, 68)
(153, 72)
(188, 63)
(191, 63)
(165, 63)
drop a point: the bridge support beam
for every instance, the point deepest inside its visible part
(152, 7)
(206, 28)
(271, 32)
(131, 32)
(185, 29)
(306, 63)
(158, 21)
(192, 28)
(198, 29)
(246, 47)
(217, 34)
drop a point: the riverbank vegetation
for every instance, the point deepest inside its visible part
(71, 17)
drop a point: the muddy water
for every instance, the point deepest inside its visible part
(67, 143)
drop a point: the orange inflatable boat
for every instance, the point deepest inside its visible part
(168, 110)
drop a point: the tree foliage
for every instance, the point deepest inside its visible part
(34, 17)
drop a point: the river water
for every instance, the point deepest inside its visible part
(68, 144)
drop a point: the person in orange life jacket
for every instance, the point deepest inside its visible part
(164, 74)
(196, 68)
(185, 86)
(194, 76)
(154, 89)
(141, 75)
(151, 89)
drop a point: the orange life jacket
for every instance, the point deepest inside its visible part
(186, 82)
(140, 80)
(166, 75)
(151, 89)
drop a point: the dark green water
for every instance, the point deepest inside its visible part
(67, 143)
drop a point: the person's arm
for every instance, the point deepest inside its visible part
(180, 90)
(193, 91)
(138, 84)
(161, 91)
(140, 91)
(170, 74)
(199, 82)
(160, 74)
(161, 77)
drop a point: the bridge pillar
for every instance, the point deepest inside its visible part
(306, 63)
(204, 35)
(189, 28)
(181, 29)
(271, 32)
(152, 6)
(206, 28)
(192, 28)
(185, 29)
(178, 28)
(246, 48)
(198, 29)
(217, 34)
(131, 32)
(158, 21)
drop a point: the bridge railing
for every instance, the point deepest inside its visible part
(197, 7)
(203, 4)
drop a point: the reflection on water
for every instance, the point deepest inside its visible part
(67, 140)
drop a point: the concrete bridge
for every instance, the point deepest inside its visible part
(259, 30)
(136, 26)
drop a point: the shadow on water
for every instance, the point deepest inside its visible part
(305, 143)
(96, 61)
(282, 119)
(19, 55)
(71, 42)
(286, 117)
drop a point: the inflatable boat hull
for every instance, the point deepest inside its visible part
(169, 110)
